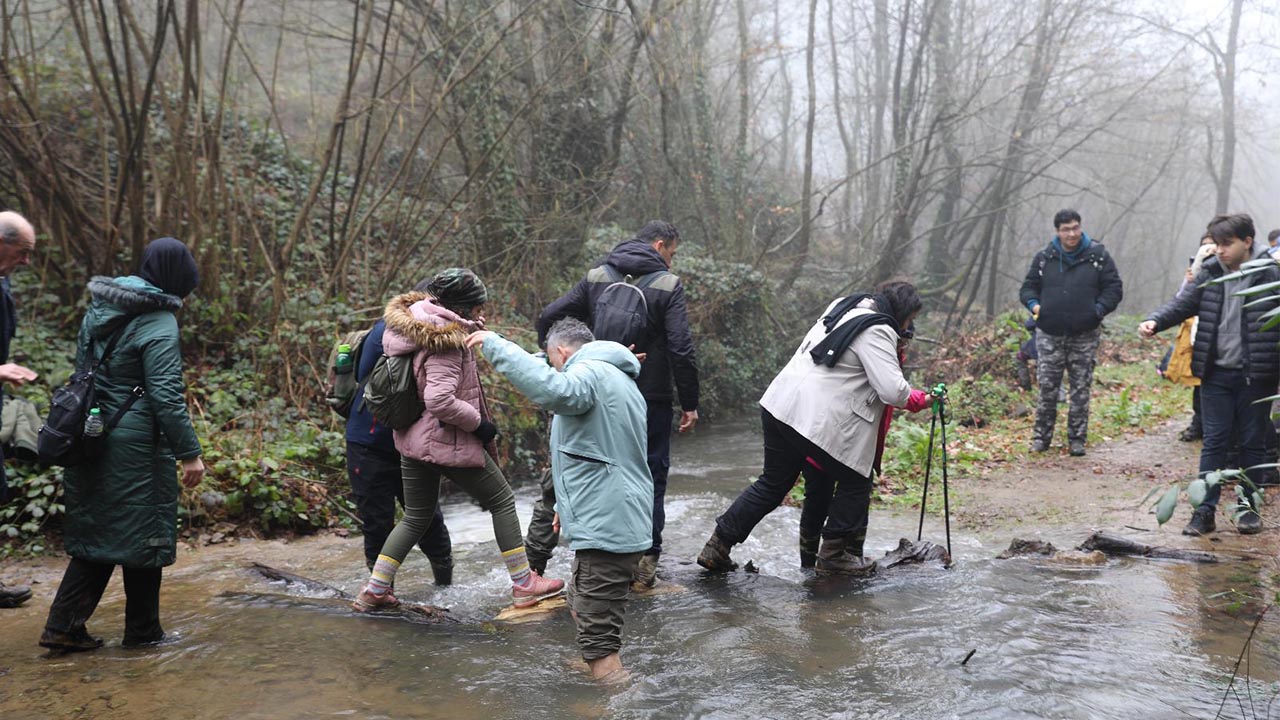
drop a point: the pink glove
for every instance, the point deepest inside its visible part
(918, 400)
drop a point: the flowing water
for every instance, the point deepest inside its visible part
(1131, 639)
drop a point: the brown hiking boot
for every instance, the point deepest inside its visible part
(715, 555)
(646, 574)
(835, 559)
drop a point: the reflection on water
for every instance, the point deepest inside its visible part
(1129, 640)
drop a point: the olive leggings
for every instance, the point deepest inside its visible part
(422, 492)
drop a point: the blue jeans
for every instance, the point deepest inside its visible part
(1228, 408)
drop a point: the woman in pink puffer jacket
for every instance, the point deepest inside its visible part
(453, 438)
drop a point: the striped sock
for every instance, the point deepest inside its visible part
(383, 575)
(517, 565)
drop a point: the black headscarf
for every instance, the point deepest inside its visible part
(839, 338)
(168, 264)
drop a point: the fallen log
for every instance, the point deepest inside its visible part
(1116, 545)
(324, 594)
(406, 611)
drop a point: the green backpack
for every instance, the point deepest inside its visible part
(340, 388)
(391, 392)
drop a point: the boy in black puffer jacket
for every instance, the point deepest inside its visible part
(1237, 361)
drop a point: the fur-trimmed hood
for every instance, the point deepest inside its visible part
(416, 322)
(129, 295)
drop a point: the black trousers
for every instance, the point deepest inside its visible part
(376, 486)
(659, 457)
(81, 590)
(785, 451)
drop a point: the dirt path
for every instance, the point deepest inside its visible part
(1102, 490)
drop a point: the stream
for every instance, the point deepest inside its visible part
(1129, 639)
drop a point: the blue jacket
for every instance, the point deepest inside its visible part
(362, 429)
(599, 440)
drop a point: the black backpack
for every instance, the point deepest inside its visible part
(61, 439)
(391, 392)
(621, 313)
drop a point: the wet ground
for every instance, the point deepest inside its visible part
(1129, 639)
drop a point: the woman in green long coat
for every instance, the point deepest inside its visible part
(122, 508)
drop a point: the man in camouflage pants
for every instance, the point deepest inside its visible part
(1071, 285)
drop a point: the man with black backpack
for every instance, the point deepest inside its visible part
(373, 465)
(17, 240)
(633, 299)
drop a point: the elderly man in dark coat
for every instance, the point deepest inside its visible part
(17, 240)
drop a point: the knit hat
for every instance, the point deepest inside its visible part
(168, 264)
(458, 288)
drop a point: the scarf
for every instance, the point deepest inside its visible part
(1073, 257)
(840, 337)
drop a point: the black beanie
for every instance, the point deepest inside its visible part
(458, 288)
(168, 264)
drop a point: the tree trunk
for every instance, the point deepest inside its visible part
(800, 253)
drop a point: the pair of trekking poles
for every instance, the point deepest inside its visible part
(939, 394)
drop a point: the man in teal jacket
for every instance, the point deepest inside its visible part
(604, 492)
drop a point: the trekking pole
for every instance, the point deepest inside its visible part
(928, 467)
(940, 392)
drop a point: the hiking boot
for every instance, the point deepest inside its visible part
(834, 558)
(1202, 522)
(538, 588)
(133, 643)
(442, 570)
(1249, 523)
(1077, 448)
(1039, 446)
(808, 551)
(646, 573)
(368, 601)
(76, 641)
(1191, 433)
(11, 596)
(715, 555)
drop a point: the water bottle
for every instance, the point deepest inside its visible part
(93, 425)
(342, 365)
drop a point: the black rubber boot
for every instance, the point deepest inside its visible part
(442, 569)
(715, 555)
(808, 551)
